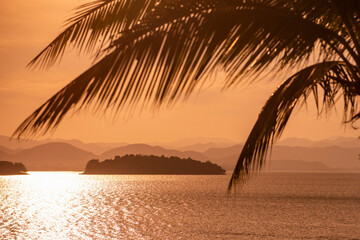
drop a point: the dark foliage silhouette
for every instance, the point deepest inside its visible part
(158, 51)
(139, 164)
(9, 168)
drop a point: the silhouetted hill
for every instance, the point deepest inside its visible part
(344, 142)
(181, 143)
(9, 151)
(16, 145)
(227, 162)
(4, 155)
(103, 147)
(96, 148)
(58, 156)
(336, 158)
(145, 149)
(139, 164)
(9, 168)
(223, 152)
(90, 147)
(297, 166)
(53, 156)
(202, 147)
(298, 142)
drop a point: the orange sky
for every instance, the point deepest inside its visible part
(27, 26)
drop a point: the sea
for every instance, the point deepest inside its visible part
(66, 205)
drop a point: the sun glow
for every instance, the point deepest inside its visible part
(43, 197)
(53, 178)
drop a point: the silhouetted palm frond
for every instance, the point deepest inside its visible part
(94, 24)
(325, 80)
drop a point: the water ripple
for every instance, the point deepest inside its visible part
(272, 206)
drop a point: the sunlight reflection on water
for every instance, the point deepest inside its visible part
(66, 205)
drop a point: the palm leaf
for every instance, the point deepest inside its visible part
(328, 77)
(173, 49)
(94, 22)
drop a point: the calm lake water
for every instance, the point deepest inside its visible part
(65, 205)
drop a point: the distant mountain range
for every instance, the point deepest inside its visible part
(346, 142)
(334, 157)
(198, 144)
(50, 156)
(96, 148)
(73, 154)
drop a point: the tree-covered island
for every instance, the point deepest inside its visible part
(9, 168)
(139, 164)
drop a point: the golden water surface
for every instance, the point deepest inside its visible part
(66, 205)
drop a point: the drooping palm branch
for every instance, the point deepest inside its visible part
(332, 78)
(159, 51)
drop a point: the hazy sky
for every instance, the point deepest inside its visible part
(27, 26)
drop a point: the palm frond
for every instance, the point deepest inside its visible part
(93, 25)
(349, 11)
(329, 77)
(247, 37)
(175, 47)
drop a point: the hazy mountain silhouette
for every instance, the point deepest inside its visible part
(227, 162)
(182, 144)
(223, 152)
(145, 149)
(4, 153)
(337, 158)
(297, 166)
(296, 142)
(64, 156)
(332, 156)
(96, 148)
(91, 147)
(57, 156)
(16, 145)
(202, 147)
(8, 150)
(345, 142)
(53, 156)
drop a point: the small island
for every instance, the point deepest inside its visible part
(9, 168)
(139, 164)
